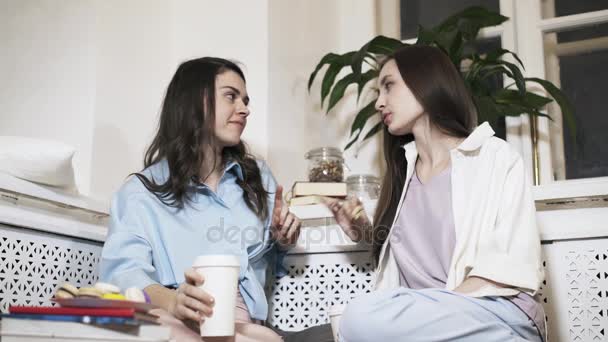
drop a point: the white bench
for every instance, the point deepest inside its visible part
(575, 247)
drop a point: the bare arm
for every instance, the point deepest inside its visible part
(160, 296)
(188, 302)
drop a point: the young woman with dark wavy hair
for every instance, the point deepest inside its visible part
(200, 192)
(454, 233)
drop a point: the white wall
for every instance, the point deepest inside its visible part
(233, 29)
(47, 66)
(301, 32)
(92, 74)
(141, 43)
(133, 64)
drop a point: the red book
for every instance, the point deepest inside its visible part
(49, 310)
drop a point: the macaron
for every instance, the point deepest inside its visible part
(107, 288)
(66, 291)
(135, 295)
(113, 296)
(89, 292)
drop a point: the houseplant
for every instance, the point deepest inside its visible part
(455, 36)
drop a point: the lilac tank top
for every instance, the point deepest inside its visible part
(424, 237)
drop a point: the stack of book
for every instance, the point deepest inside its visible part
(306, 202)
(44, 323)
(320, 229)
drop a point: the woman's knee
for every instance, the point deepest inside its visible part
(387, 315)
(362, 319)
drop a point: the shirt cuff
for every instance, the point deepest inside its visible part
(280, 270)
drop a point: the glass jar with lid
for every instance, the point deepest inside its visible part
(366, 188)
(325, 164)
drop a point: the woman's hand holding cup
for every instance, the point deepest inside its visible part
(191, 302)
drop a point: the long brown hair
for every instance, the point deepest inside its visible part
(440, 90)
(186, 125)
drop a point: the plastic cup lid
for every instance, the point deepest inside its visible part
(218, 260)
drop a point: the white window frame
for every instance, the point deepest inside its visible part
(517, 128)
(540, 57)
(523, 34)
(529, 29)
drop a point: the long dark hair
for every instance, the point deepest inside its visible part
(186, 126)
(440, 90)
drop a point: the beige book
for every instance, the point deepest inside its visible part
(305, 200)
(319, 189)
(311, 211)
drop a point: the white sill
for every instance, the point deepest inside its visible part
(572, 194)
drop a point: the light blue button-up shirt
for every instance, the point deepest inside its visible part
(151, 243)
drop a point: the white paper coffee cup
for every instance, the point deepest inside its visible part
(334, 313)
(221, 274)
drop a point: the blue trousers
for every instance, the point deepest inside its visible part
(433, 315)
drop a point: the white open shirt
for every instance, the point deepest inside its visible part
(494, 215)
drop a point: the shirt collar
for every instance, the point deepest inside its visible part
(232, 167)
(476, 139)
(235, 167)
(161, 173)
(473, 142)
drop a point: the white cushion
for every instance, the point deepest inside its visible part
(37, 160)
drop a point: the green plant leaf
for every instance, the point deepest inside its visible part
(489, 72)
(370, 60)
(366, 77)
(514, 109)
(354, 140)
(336, 63)
(451, 36)
(518, 77)
(496, 54)
(328, 79)
(456, 46)
(539, 113)
(361, 118)
(481, 70)
(327, 59)
(445, 39)
(470, 20)
(562, 101)
(529, 99)
(338, 91)
(332, 72)
(380, 45)
(377, 128)
(425, 36)
(491, 108)
(512, 71)
(486, 109)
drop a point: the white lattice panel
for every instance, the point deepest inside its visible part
(33, 264)
(576, 298)
(316, 282)
(575, 294)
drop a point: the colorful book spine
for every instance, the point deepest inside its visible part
(98, 320)
(50, 310)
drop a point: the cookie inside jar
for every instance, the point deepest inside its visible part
(325, 164)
